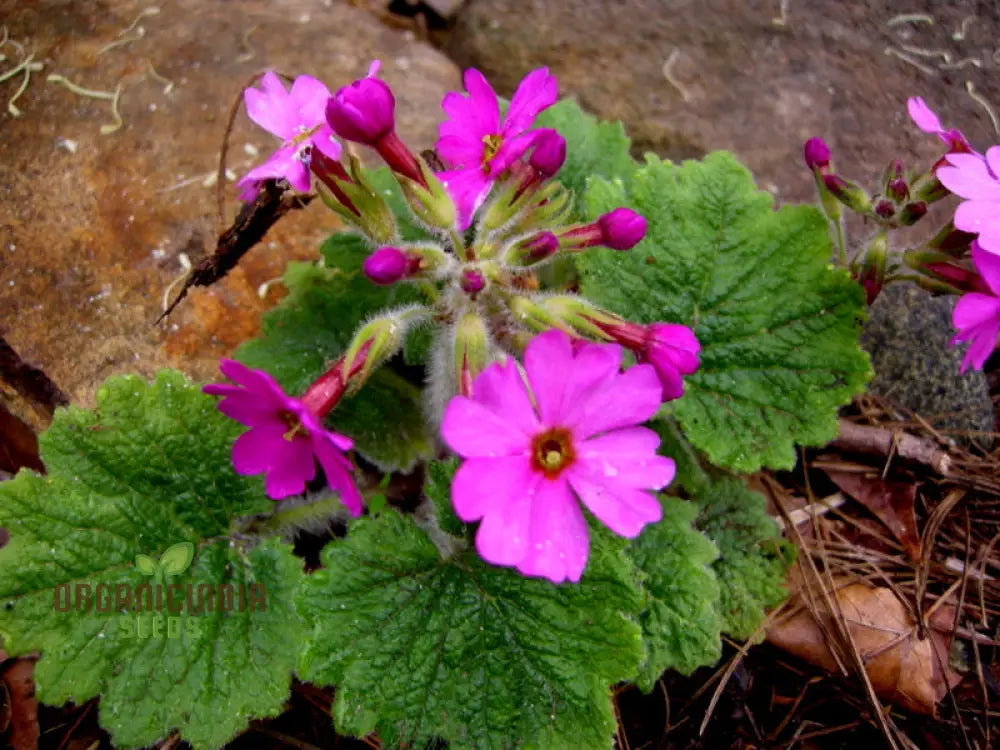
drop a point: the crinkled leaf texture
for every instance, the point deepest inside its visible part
(314, 324)
(777, 324)
(681, 622)
(420, 647)
(148, 469)
(754, 559)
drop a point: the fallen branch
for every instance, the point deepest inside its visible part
(884, 442)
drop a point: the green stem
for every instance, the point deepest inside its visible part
(841, 242)
(293, 515)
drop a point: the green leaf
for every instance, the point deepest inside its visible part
(778, 325)
(438, 489)
(681, 623)
(754, 559)
(148, 469)
(421, 647)
(593, 148)
(145, 564)
(313, 325)
(177, 558)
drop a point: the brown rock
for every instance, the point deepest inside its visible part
(690, 77)
(92, 226)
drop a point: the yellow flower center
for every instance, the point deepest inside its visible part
(552, 451)
(491, 144)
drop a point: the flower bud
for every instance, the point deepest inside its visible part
(912, 213)
(376, 341)
(897, 189)
(363, 112)
(817, 154)
(884, 209)
(533, 249)
(548, 154)
(871, 275)
(672, 350)
(471, 354)
(355, 200)
(944, 272)
(386, 266)
(429, 198)
(620, 229)
(850, 194)
(953, 241)
(472, 281)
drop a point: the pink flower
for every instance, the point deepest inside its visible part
(477, 146)
(925, 119)
(977, 316)
(298, 118)
(975, 178)
(533, 451)
(285, 438)
(816, 153)
(672, 350)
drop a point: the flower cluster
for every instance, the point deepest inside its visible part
(492, 212)
(956, 260)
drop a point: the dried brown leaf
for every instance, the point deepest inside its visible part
(891, 502)
(902, 667)
(24, 708)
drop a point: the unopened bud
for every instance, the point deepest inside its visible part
(620, 229)
(850, 194)
(884, 209)
(386, 266)
(472, 281)
(912, 213)
(943, 273)
(872, 273)
(533, 250)
(817, 154)
(429, 198)
(897, 189)
(954, 242)
(548, 153)
(472, 351)
(363, 111)
(378, 340)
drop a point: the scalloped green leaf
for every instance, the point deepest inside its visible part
(778, 325)
(313, 325)
(681, 623)
(147, 470)
(593, 148)
(438, 490)
(754, 559)
(420, 647)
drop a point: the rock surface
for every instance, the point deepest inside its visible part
(92, 226)
(692, 76)
(907, 337)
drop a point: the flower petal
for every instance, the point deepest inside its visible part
(269, 107)
(468, 188)
(559, 542)
(253, 411)
(627, 456)
(968, 176)
(483, 484)
(501, 388)
(978, 216)
(548, 360)
(337, 469)
(625, 400)
(537, 91)
(988, 266)
(923, 116)
(323, 140)
(473, 430)
(254, 450)
(294, 465)
(502, 538)
(974, 309)
(307, 101)
(623, 509)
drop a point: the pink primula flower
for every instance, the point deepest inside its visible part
(475, 144)
(285, 439)
(977, 316)
(977, 179)
(534, 451)
(297, 117)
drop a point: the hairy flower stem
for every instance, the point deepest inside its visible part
(841, 242)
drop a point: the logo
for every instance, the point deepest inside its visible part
(160, 606)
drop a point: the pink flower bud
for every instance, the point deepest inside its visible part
(672, 350)
(387, 265)
(363, 111)
(549, 153)
(897, 189)
(817, 154)
(472, 281)
(884, 209)
(621, 229)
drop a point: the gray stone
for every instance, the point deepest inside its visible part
(691, 76)
(907, 337)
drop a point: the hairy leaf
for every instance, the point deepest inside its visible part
(147, 471)
(681, 623)
(777, 324)
(753, 558)
(481, 656)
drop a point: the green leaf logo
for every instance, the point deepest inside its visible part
(174, 561)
